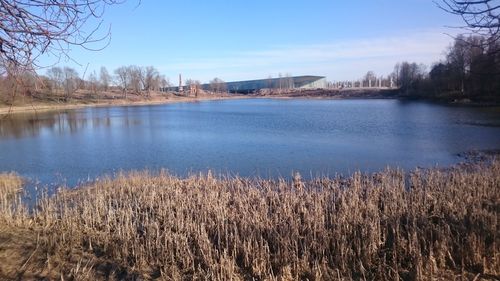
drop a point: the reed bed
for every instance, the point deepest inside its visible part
(424, 225)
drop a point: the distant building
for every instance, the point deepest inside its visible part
(292, 82)
(251, 86)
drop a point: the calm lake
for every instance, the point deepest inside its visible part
(249, 137)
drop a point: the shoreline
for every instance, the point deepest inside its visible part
(35, 108)
(161, 99)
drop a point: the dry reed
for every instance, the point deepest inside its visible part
(11, 207)
(391, 225)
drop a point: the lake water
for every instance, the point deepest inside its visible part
(249, 137)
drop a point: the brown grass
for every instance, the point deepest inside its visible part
(10, 184)
(11, 207)
(425, 225)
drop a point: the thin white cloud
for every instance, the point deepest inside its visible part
(338, 60)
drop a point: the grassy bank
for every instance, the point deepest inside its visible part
(389, 225)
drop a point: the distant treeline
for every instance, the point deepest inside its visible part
(470, 70)
(63, 83)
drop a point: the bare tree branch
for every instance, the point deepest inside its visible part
(30, 28)
(481, 17)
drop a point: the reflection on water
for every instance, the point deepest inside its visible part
(62, 122)
(32, 125)
(261, 137)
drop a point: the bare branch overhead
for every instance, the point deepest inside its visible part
(30, 28)
(481, 17)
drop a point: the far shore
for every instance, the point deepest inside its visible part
(43, 107)
(112, 99)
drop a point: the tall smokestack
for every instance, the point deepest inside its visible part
(180, 83)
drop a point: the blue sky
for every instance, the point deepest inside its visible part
(243, 39)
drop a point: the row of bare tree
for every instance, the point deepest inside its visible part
(471, 69)
(218, 85)
(406, 75)
(128, 78)
(16, 83)
(139, 79)
(65, 81)
(64, 78)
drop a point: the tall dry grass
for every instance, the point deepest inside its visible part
(10, 185)
(391, 225)
(12, 210)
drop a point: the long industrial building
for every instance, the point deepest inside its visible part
(252, 86)
(293, 82)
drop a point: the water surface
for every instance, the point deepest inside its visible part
(250, 137)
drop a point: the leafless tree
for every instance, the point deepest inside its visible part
(410, 74)
(104, 78)
(165, 82)
(93, 83)
(29, 28)
(217, 85)
(288, 81)
(17, 81)
(122, 79)
(71, 81)
(481, 17)
(395, 74)
(456, 58)
(56, 77)
(157, 82)
(149, 78)
(135, 78)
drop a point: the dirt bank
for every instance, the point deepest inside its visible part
(131, 100)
